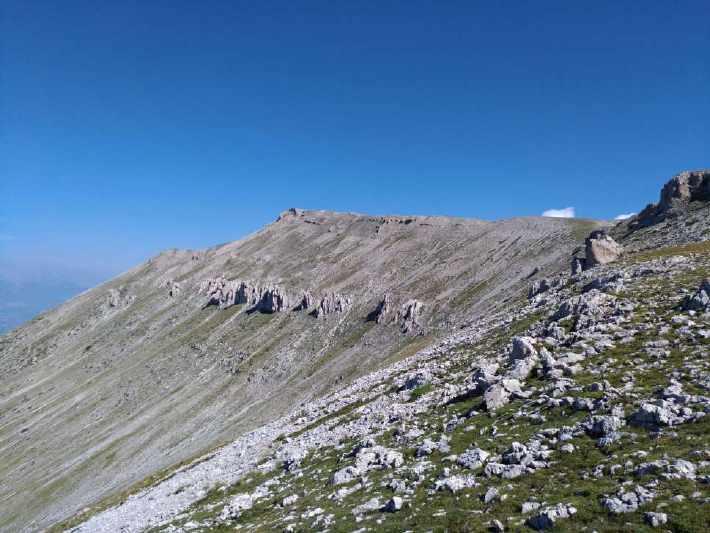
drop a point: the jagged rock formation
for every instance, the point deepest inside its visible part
(305, 302)
(119, 297)
(679, 217)
(408, 316)
(686, 187)
(382, 314)
(173, 287)
(224, 293)
(332, 303)
(96, 400)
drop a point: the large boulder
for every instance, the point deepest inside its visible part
(601, 249)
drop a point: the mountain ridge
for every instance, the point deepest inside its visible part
(193, 348)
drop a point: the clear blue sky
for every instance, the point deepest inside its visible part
(129, 127)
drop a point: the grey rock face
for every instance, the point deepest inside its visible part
(273, 300)
(491, 495)
(382, 314)
(305, 302)
(409, 315)
(592, 304)
(332, 303)
(538, 287)
(118, 298)
(686, 187)
(225, 293)
(174, 288)
(292, 212)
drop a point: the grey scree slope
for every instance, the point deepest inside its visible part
(138, 374)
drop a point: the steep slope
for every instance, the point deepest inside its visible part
(194, 348)
(583, 407)
(604, 427)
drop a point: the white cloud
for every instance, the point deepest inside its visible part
(624, 216)
(567, 212)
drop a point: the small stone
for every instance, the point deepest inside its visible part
(655, 519)
(394, 504)
(490, 495)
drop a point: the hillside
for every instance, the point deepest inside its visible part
(581, 406)
(193, 349)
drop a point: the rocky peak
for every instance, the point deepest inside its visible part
(686, 187)
(683, 188)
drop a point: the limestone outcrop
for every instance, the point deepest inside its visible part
(225, 293)
(119, 298)
(383, 313)
(683, 188)
(332, 303)
(408, 317)
(174, 288)
(305, 302)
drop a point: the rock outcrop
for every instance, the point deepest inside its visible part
(174, 288)
(305, 302)
(332, 303)
(119, 298)
(272, 300)
(686, 187)
(225, 293)
(700, 301)
(408, 317)
(382, 314)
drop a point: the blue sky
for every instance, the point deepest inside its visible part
(134, 126)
